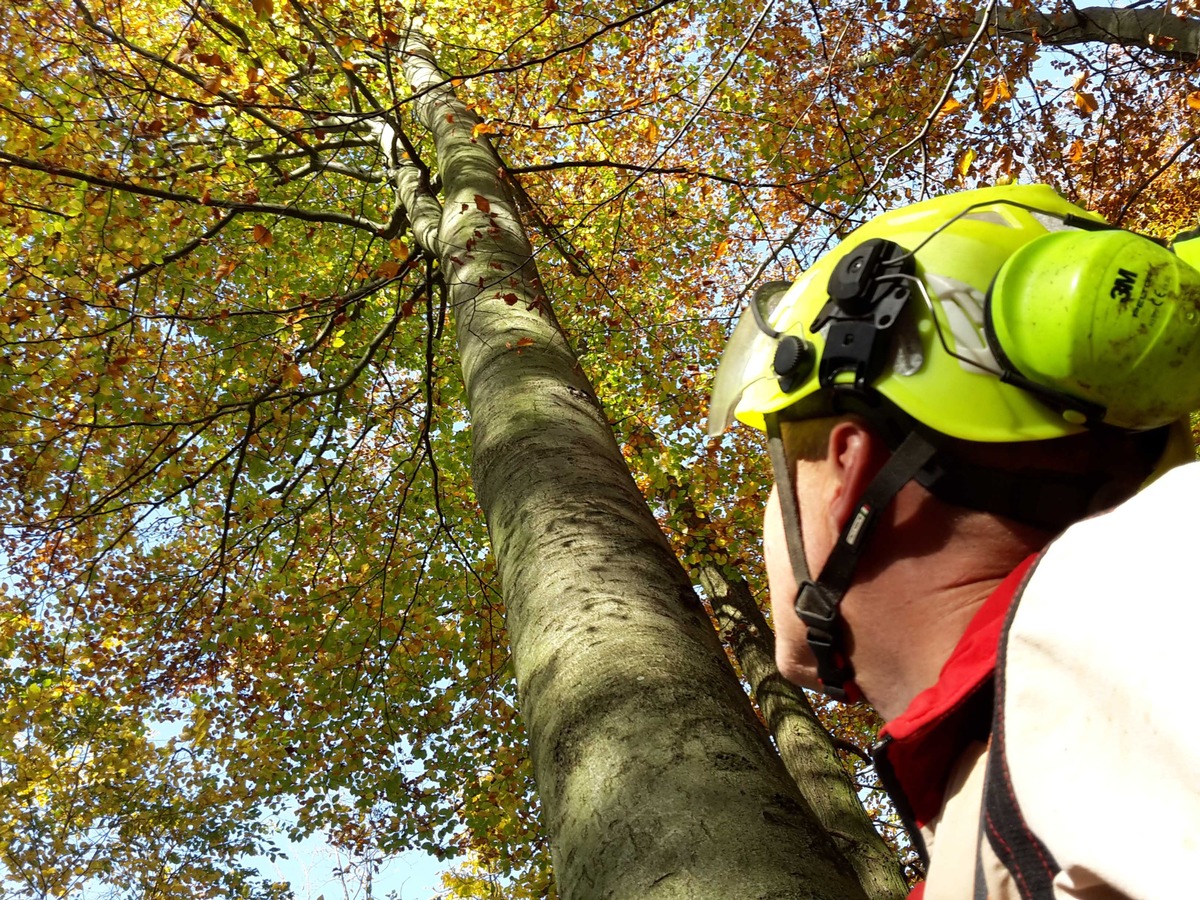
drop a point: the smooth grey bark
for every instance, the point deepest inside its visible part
(655, 776)
(1155, 29)
(1151, 28)
(803, 743)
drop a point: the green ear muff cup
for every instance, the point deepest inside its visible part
(1108, 316)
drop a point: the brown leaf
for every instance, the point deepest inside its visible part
(263, 8)
(263, 236)
(482, 204)
(388, 269)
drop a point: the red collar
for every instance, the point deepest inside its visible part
(942, 720)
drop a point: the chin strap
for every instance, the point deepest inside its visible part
(817, 601)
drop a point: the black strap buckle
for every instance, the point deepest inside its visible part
(817, 608)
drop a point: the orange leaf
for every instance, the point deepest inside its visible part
(399, 249)
(1075, 153)
(997, 91)
(388, 269)
(525, 342)
(482, 204)
(263, 236)
(225, 269)
(1086, 102)
(263, 8)
(1193, 99)
(482, 128)
(721, 249)
(347, 65)
(948, 107)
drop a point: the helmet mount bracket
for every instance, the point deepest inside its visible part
(868, 289)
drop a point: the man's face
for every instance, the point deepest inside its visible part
(792, 653)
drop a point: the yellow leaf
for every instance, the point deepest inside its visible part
(652, 132)
(399, 249)
(721, 249)
(948, 107)
(1075, 153)
(1193, 99)
(482, 128)
(263, 236)
(997, 91)
(1086, 102)
(964, 162)
(1081, 80)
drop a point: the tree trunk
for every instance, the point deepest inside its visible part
(656, 778)
(803, 743)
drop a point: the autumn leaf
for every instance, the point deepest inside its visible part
(399, 249)
(388, 269)
(263, 236)
(964, 162)
(482, 204)
(996, 92)
(482, 128)
(1075, 153)
(948, 107)
(1086, 102)
(263, 8)
(225, 269)
(1193, 99)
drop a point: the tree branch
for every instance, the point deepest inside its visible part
(293, 212)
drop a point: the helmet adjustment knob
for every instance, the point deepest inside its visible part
(794, 360)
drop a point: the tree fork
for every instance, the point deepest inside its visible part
(656, 778)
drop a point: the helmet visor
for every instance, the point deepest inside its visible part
(741, 364)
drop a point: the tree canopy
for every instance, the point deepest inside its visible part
(246, 572)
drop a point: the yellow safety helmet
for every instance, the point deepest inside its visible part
(999, 314)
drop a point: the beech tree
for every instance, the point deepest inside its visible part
(295, 290)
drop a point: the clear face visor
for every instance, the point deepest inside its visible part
(752, 341)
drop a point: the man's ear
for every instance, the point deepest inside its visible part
(854, 455)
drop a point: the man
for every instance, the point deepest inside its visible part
(961, 402)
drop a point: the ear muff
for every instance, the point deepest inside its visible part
(1110, 317)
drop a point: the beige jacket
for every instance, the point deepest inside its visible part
(1090, 763)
